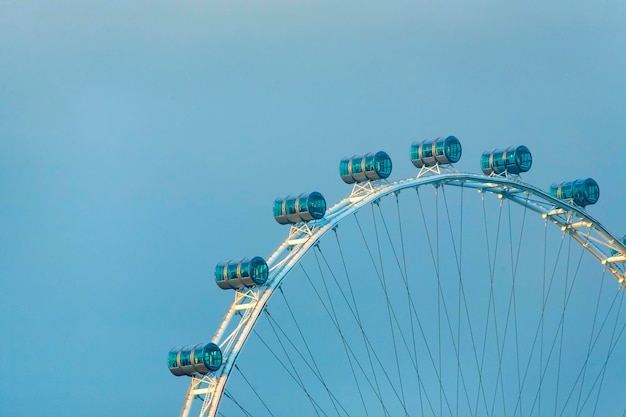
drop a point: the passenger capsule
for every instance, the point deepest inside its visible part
(368, 167)
(303, 208)
(193, 360)
(443, 150)
(513, 160)
(582, 192)
(241, 273)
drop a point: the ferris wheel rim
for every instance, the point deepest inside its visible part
(294, 248)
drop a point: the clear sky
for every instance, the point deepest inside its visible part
(142, 142)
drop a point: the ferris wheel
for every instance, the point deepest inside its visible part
(447, 293)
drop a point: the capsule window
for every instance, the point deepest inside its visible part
(427, 150)
(453, 149)
(370, 162)
(415, 152)
(232, 271)
(172, 359)
(317, 205)
(510, 159)
(485, 162)
(185, 358)
(525, 159)
(303, 206)
(259, 269)
(383, 165)
(592, 191)
(357, 168)
(290, 206)
(344, 167)
(499, 160)
(439, 148)
(278, 208)
(244, 270)
(212, 357)
(197, 354)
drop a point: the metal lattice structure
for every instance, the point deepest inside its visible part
(249, 303)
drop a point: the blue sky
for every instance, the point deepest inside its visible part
(143, 142)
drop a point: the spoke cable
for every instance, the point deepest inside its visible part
(575, 384)
(334, 399)
(593, 327)
(407, 288)
(232, 398)
(346, 344)
(425, 340)
(617, 316)
(463, 296)
(491, 302)
(518, 404)
(514, 265)
(604, 364)
(561, 324)
(306, 345)
(436, 265)
(384, 284)
(404, 274)
(294, 373)
(355, 314)
(254, 390)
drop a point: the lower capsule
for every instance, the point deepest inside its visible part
(582, 192)
(193, 360)
(303, 208)
(241, 273)
(513, 160)
(444, 150)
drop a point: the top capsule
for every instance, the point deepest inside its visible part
(368, 167)
(514, 160)
(443, 150)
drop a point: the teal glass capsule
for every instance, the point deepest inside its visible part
(303, 208)
(582, 192)
(513, 160)
(193, 360)
(443, 150)
(241, 273)
(368, 167)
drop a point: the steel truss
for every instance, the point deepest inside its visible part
(240, 318)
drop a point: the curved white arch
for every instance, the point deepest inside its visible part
(249, 303)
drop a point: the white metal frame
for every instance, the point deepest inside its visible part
(240, 318)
